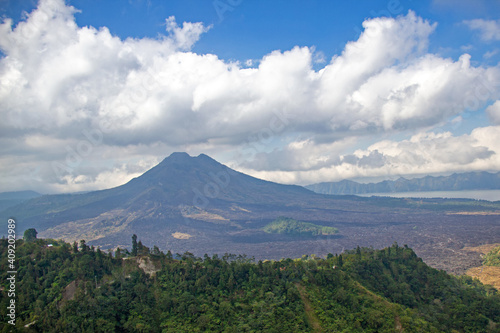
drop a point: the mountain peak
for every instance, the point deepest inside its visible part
(182, 159)
(183, 156)
(204, 156)
(181, 177)
(178, 156)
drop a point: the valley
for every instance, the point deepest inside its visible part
(198, 205)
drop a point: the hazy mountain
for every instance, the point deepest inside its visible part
(9, 199)
(455, 182)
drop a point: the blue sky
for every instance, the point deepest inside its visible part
(243, 29)
(290, 91)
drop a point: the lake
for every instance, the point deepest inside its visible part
(490, 195)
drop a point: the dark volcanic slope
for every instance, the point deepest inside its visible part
(184, 179)
(199, 205)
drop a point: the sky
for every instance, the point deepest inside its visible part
(94, 93)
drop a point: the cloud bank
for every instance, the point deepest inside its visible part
(82, 109)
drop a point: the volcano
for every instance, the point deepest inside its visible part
(180, 191)
(199, 205)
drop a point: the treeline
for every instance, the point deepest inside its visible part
(71, 288)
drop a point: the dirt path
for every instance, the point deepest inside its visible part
(311, 316)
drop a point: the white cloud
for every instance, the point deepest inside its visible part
(301, 154)
(489, 29)
(143, 98)
(424, 153)
(493, 112)
(490, 54)
(186, 36)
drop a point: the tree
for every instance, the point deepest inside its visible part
(142, 250)
(156, 251)
(83, 246)
(30, 235)
(134, 245)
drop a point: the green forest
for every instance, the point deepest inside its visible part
(285, 225)
(63, 287)
(492, 258)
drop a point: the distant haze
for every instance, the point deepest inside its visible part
(455, 182)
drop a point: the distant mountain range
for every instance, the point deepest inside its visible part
(8, 199)
(455, 182)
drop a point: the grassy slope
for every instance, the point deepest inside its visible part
(489, 272)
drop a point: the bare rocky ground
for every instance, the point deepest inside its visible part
(439, 238)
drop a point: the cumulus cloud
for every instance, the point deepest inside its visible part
(423, 153)
(298, 155)
(72, 97)
(372, 160)
(186, 36)
(493, 112)
(432, 149)
(489, 29)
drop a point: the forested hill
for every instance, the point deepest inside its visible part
(70, 288)
(455, 182)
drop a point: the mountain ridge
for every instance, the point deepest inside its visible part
(456, 182)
